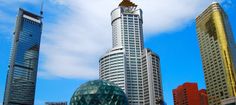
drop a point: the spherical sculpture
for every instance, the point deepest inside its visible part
(99, 92)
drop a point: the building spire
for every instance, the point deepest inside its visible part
(41, 9)
(127, 3)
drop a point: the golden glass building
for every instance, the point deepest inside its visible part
(218, 53)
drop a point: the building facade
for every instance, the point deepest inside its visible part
(188, 94)
(218, 53)
(112, 67)
(203, 97)
(22, 73)
(127, 38)
(151, 75)
(123, 64)
(229, 101)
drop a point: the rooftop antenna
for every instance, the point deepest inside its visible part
(41, 9)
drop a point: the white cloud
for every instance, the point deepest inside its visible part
(72, 46)
(34, 2)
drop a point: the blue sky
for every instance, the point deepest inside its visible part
(77, 33)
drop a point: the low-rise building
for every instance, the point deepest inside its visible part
(55, 103)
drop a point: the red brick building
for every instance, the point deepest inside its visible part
(188, 94)
(203, 97)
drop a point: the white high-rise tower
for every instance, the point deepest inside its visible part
(123, 63)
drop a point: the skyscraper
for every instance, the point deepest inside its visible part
(123, 64)
(151, 75)
(218, 53)
(22, 73)
(188, 94)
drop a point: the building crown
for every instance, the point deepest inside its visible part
(127, 3)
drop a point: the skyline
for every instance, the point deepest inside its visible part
(149, 39)
(128, 64)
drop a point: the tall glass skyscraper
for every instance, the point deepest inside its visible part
(22, 73)
(218, 51)
(123, 63)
